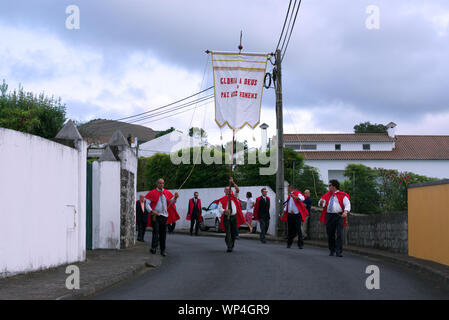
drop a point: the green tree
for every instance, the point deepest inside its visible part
(163, 133)
(362, 188)
(367, 127)
(30, 113)
(186, 175)
(308, 177)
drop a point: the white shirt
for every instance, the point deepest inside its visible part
(292, 208)
(336, 208)
(161, 205)
(234, 209)
(249, 205)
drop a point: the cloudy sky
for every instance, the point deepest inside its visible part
(135, 55)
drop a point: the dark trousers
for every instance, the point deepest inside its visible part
(159, 232)
(334, 223)
(264, 224)
(194, 221)
(142, 221)
(294, 229)
(231, 230)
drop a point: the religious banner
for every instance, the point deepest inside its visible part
(238, 81)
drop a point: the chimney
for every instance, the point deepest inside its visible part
(391, 129)
(264, 127)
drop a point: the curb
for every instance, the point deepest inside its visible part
(89, 291)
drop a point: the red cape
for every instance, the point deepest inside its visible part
(224, 202)
(302, 208)
(340, 196)
(256, 207)
(189, 213)
(154, 195)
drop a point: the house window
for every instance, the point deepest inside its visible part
(302, 146)
(338, 147)
(367, 146)
(308, 146)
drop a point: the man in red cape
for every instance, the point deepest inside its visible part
(336, 206)
(262, 213)
(295, 213)
(163, 211)
(194, 213)
(231, 214)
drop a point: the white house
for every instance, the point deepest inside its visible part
(168, 143)
(422, 154)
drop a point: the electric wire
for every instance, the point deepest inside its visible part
(291, 30)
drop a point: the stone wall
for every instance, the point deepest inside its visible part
(127, 208)
(380, 231)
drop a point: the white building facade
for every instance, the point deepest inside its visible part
(331, 153)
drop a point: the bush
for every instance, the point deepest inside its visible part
(378, 190)
(29, 113)
(362, 188)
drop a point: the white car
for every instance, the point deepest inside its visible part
(211, 217)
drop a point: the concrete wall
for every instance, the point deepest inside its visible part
(428, 207)
(106, 205)
(42, 203)
(431, 168)
(207, 195)
(379, 231)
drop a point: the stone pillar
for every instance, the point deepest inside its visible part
(128, 179)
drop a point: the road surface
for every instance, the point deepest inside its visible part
(200, 268)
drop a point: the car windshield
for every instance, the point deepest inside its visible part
(212, 206)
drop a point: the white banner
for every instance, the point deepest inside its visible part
(238, 81)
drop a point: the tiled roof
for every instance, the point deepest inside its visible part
(338, 137)
(100, 131)
(407, 147)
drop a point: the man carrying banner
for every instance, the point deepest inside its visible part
(163, 211)
(294, 214)
(336, 206)
(231, 214)
(194, 213)
(262, 213)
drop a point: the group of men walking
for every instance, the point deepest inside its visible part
(159, 206)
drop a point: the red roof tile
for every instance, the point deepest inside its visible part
(407, 147)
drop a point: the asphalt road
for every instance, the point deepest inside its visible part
(200, 268)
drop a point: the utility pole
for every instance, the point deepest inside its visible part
(280, 146)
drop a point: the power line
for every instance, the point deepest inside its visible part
(182, 106)
(115, 125)
(167, 105)
(286, 16)
(288, 26)
(291, 30)
(177, 113)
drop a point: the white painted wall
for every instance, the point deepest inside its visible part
(207, 195)
(42, 203)
(349, 146)
(106, 205)
(168, 143)
(430, 168)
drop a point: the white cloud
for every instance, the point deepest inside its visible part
(42, 62)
